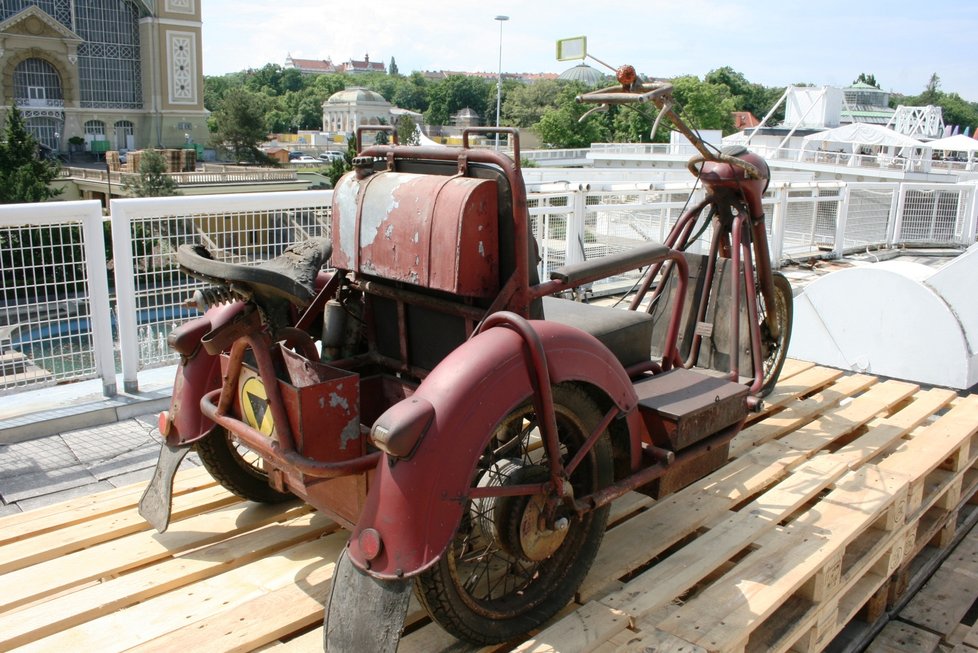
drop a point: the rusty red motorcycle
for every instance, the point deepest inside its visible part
(415, 380)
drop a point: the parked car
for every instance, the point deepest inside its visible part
(295, 155)
(329, 157)
(305, 158)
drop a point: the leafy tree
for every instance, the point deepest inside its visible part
(411, 93)
(867, 79)
(240, 124)
(151, 179)
(24, 176)
(452, 94)
(746, 96)
(704, 105)
(407, 130)
(525, 104)
(392, 69)
(561, 127)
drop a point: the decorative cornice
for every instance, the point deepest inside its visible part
(20, 25)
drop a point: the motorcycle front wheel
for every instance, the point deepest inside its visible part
(504, 572)
(237, 468)
(775, 348)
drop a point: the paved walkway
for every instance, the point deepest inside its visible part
(68, 441)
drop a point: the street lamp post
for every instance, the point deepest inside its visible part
(499, 77)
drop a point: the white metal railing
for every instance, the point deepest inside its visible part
(57, 316)
(149, 287)
(54, 318)
(209, 177)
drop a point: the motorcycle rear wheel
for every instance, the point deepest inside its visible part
(237, 468)
(485, 588)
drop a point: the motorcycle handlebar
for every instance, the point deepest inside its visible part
(660, 94)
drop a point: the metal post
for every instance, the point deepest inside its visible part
(499, 76)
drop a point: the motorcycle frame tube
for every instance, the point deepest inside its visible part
(280, 453)
(417, 504)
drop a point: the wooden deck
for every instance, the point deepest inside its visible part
(839, 501)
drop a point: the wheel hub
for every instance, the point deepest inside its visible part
(519, 523)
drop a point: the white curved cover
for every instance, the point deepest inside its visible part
(893, 320)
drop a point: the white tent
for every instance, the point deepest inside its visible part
(861, 134)
(866, 143)
(959, 143)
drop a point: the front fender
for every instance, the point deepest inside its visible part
(416, 505)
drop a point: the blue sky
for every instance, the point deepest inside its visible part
(773, 43)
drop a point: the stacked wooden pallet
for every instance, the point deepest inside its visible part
(830, 495)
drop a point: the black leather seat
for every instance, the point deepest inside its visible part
(627, 334)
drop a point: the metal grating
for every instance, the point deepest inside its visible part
(45, 312)
(242, 237)
(37, 84)
(868, 217)
(930, 215)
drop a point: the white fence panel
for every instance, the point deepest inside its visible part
(54, 316)
(151, 289)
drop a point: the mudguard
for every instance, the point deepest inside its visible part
(415, 505)
(197, 374)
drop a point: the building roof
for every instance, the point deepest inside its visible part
(583, 73)
(311, 65)
(365, 66)
(357, 95)
(745, 120)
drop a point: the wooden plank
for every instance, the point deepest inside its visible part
(154, 617)
(77, 510)
(109, 559)
(635, 542)
(823, 431)
(52, 544)
(580, 631)
(950, 435)
(725, 614)
(798, 413)
(282, 612)
(679, 572)
(91, 602)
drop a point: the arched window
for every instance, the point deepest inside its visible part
(37, 84)
(96, 128)
(124, 134)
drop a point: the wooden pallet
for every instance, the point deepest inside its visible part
(831, 494)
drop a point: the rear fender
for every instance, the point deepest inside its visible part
(415, 505)
(197, 374)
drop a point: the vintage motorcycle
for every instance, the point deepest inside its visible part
(469, 425)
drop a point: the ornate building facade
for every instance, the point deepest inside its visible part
(121, 74)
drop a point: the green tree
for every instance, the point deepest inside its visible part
(407, 130)
(392, 69)
(240, 126)
(704, 105)
(456, 92)
(867, 79)
(24, 176)
(746, 95)
(525, 104)
(561, 126)
(151, 179)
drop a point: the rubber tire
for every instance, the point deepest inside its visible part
(784, 310)
(440, 592)
(220, 457)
